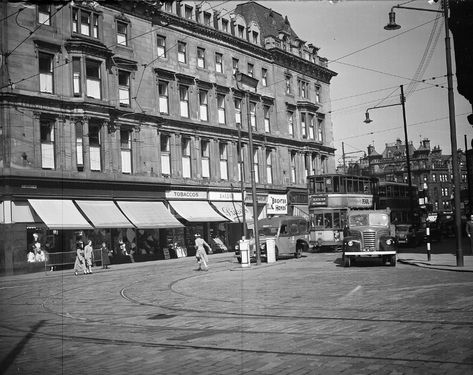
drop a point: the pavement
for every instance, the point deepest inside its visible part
(446, 262)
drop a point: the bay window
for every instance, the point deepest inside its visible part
(186, 157)
(221, 108)
(163, 97)
(223, 161)
(203, 109)
(124, 88)
(125, 150)
(47, 144)
(95, 147)
(184, 100)
(165, 155)
(205, 157)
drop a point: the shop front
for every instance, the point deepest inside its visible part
(229, 204)
(261, 202)
(193, 208)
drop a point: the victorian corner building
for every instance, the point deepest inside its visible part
(125, 121)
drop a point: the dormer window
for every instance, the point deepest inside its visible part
(224, 25)
(188, 12)
(255, 37)
(241, 31)
(207, 19)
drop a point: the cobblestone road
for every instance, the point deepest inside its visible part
(298, 316)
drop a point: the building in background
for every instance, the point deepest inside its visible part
(121, 121)
(431, 173)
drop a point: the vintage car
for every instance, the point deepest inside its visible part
(369, 234)
(408, 235)
(290, 234)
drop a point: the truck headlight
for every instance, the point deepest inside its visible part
(389, 241)
(350, 243)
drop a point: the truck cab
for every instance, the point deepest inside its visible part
(369, 234)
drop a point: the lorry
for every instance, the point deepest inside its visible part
(369, 234)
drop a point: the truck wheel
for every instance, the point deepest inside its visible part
(393, 261)
(346, 261)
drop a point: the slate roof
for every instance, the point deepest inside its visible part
(269, 21)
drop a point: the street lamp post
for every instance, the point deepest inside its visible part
(408, 158)
(451, 115)
(250, 83)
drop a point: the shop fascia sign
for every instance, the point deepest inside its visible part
(224, 196)
(260, 198)
(277, 204)
(186, 194)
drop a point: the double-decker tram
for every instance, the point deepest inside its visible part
(396, 197)
(330, 196)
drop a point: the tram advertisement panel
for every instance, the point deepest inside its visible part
(341, 200)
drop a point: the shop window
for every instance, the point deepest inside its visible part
(205, 157)
(161, 42)
(85, 22)
(47, 144)
(165, 155)
(46, 74)
(186, 157)
(223, 161)
(125, 149)
(163, 97)
(204, 107)
(124, 88)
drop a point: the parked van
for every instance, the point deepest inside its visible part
(291, 235)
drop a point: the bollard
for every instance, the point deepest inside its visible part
(245, 253)
(427, 232)
(270, 250)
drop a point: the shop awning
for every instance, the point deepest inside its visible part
(299, 210)
(104, 214)
(59, 214)
(149, 215)
(233, 211)
(197, 211)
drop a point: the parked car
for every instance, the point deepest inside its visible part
(291, 235)
(369, 236)
(408, 235)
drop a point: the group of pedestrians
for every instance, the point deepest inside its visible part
(85, 257)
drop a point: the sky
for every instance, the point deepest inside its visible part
(372, 63)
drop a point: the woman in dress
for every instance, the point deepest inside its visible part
(79, 265)
(201, 254)
(105, 255)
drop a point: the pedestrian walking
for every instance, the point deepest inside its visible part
(105, 255)
(469, 232)
(79, 265)
(201, 254)
(88, 255)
